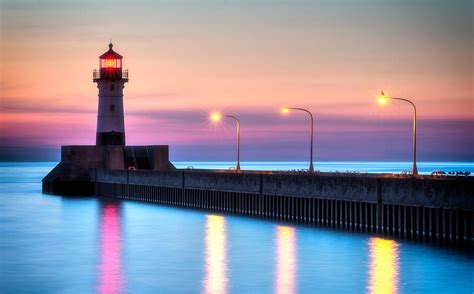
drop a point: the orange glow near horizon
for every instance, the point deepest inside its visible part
(285, 260)
(384, 266)
(215, 280)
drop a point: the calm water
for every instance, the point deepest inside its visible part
(51, 244)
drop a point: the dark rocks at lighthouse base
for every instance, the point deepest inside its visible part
(71, 175)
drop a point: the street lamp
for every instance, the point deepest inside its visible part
(383, 99)
(285, 110)
(216, 117)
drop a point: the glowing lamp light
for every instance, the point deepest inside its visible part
(382, 99)
(216, 117)
(111, 63)
(285, 110)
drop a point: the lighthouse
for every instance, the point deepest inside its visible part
(79, 164)
(110, 79)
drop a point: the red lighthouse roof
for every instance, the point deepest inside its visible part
(111, 54)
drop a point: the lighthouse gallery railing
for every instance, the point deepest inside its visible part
(96, 74)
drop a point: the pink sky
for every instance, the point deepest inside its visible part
(247, 58)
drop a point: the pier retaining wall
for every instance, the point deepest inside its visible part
(421, 208)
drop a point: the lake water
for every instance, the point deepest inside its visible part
(53, 244)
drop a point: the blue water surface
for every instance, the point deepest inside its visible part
(53, 244)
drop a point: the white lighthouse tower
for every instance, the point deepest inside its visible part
(110, 79)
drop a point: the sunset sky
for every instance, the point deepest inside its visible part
(247, 58)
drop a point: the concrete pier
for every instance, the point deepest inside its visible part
(71, 175)
(420, 208)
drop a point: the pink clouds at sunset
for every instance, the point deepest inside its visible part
(247, 58)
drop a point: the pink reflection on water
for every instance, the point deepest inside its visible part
(110, 279)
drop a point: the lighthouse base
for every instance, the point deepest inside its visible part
(110, 138)
(71, 175)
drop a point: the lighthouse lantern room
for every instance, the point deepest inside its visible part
(110, 79)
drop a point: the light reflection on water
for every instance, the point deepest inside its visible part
(384, 266)
(215, 280)
(110, 272)
(285, 260)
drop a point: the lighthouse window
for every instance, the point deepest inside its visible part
(112, 107)
(112, 87)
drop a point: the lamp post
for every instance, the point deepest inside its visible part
(217, 117)
(383, 99)
(286, 110)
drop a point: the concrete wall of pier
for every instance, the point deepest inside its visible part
(422, 208)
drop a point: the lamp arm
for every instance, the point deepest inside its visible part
(238, 138)
(406, 100)
(414, 168)
(311, 169)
